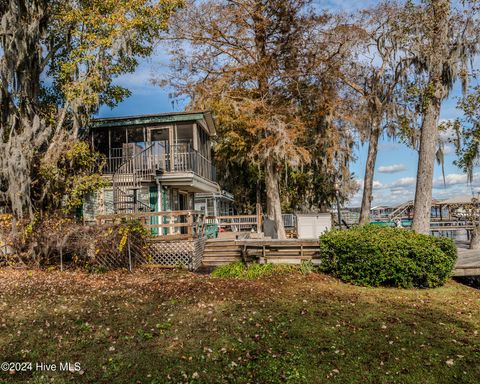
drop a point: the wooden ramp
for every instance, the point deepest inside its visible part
(468, 262)
(221, 252)
(294, 251)
(291, 251)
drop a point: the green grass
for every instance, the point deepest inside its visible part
(169, 327)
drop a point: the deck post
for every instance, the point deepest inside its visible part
(259, 217)
(129, 255)
(172, 149)
(190, 225)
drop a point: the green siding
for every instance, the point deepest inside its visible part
(165, 207)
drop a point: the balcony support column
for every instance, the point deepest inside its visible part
(171, 148)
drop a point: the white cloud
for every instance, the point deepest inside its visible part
(403, 182)
(389, 146)
(392, 168)
(448, 150)
(447, 134)
(403, 189)
(376, 184)
(450, 180)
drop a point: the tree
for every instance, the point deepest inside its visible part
(267, 71)
(79, 47)
(440, 41)
(374, 70)
(241, 60)
(467, 127)
(467, 146)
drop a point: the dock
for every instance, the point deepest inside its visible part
(220, 252)
(468, 262)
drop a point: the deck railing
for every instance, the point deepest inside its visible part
(237, 223)
(166, 225)
(192, 161)
(173, 158)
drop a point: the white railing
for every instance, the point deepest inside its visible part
(160, 159)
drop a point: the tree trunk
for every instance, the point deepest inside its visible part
(369, 173)
(274, 210)
(426, 163)
(428, 137)
(475, 237)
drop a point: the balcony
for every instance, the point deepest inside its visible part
(162, 160)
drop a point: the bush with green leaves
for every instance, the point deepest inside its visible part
(380, 256)
(239, 270)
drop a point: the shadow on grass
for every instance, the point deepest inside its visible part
(273, 331)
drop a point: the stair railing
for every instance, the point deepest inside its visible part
(129, 177)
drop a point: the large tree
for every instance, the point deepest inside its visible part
(241, 60)
(440, 40)
(467, 145)
(57, 65)
(373, 70)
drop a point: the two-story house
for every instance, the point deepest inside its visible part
(155, 163)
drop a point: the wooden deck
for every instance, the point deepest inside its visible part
(220, 252)
(291, 251)
(468, 262)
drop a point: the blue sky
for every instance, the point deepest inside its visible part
(396, 163)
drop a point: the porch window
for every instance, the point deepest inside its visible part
(136, 136)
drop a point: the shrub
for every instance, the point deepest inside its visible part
(373, 256)
(239, 270)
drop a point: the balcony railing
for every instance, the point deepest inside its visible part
(166, 159)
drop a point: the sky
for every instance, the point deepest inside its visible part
(394, 180)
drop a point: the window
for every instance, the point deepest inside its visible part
(118, 137)
(100, 140)
(184, 138)
(136, 135)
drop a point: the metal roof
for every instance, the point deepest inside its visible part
(170, 117)
(458, 200)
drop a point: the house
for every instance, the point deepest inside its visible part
(155, 163)
(381, 212)
(215, 204)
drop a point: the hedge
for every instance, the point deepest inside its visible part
(380, 256)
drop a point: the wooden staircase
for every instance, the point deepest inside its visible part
(128, 179)
(221, 252)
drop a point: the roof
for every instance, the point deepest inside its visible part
(465, 199)
(170, 117)
(223, 194)
(405, 204)
(381, 207)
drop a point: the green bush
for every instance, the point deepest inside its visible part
(373, 256)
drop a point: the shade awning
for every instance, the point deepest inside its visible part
(458, 200)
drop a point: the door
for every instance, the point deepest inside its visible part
(160, 138)
(183, 201)
(183, 206)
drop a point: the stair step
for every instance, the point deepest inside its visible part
(226, 254)
(227, 247)
(219, 262)
(221, 245)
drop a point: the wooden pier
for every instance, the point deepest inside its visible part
(294, 251)
(468, 262)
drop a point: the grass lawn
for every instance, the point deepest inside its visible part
(158, 326)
